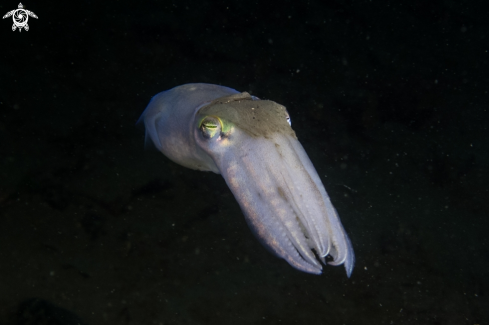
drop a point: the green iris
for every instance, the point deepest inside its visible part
(210, 126)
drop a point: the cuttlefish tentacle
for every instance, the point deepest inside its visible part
(265, 217)
(271, 196)
(299, 183)
(342, 245)
(314, 212)
(250, 142)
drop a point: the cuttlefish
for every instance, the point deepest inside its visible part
(250, 142)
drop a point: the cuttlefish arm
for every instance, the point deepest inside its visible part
(251, 144)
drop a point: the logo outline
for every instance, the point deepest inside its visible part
(20, 16)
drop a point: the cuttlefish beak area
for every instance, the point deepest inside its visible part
(274, 182)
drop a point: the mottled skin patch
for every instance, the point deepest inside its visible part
(277, 146)
(281, 193)
(258, 118)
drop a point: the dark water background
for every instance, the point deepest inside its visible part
(389, 99)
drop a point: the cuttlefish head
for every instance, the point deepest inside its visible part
(253, 146)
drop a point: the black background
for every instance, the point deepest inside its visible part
(389, 99)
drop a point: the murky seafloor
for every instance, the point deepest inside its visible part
(96, 229)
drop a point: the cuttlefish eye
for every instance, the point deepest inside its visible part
(210, 127)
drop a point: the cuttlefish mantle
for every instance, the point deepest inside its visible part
(250, 142)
